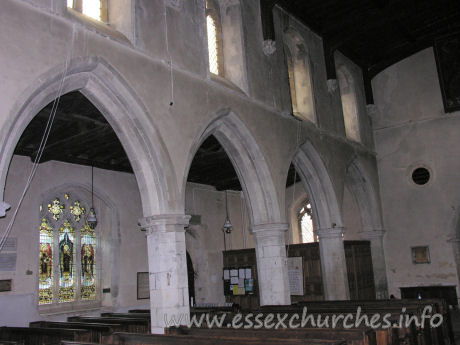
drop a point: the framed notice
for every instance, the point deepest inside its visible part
(295, 274)
(143, 291)
(420, 255)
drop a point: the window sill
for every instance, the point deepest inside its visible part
(77, 308)
(227, 83)
(101, 28)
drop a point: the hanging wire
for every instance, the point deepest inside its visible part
(92, 186)
(42, 145)
(169, 55)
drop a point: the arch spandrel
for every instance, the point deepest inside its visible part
(132, 123)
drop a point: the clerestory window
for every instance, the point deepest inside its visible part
(96, 9)
(214, 31)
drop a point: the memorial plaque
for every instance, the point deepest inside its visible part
(8, 262)
(295, 274)
(143, 291)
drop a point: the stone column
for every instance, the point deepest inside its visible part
(167, 269)
(272, 264)
(333, 265)
(378, 261)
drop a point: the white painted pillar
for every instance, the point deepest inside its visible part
(167, 268)
(333, 265)
(378, 261)
(272, 264)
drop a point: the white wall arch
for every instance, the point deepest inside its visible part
(130, 120)
(249, 163)
(327, 218)
(319, 187)
(358, 181)
(267, 220)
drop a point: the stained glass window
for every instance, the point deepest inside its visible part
(67, 259)
(88, 267)
(45, 279)
(66, 263)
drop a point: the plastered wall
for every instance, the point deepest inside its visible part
(412, 130)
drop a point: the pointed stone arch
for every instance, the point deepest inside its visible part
(359, 183)
(319, 187)
(129, 118)
(249, 163)
(327, 217)
(267, 221)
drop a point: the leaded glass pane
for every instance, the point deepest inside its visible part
(88, 264)
(92, 8)
(212, 45)
(45, 282)
(66, 263)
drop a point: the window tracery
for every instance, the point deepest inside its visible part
(67, 255)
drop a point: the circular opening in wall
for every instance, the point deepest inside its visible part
(420, 176)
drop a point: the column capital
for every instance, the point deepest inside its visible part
(270, 229)
(336, 232)
(373, 233)
(164, 223)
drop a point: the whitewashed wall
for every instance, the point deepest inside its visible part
(411, 129)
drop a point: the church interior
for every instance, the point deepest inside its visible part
(169, 158)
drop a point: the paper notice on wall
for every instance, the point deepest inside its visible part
(236, 290)
(248, 274)
(241, 273)
(233, 273)
(295, 274)
(226, 274)
(241, 286)
(234, 280)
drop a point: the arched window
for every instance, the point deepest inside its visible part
(349, 103)
(214, 30)
(68, 253)
(299, 73)
(96, 9)
(306, 223)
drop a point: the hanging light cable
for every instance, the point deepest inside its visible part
(227, 227)
(43, 142)
(92, 219)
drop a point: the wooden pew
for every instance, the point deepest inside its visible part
(40, 336)
(155, 339)
(97, 330)
(351, 336)
(132, 325)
